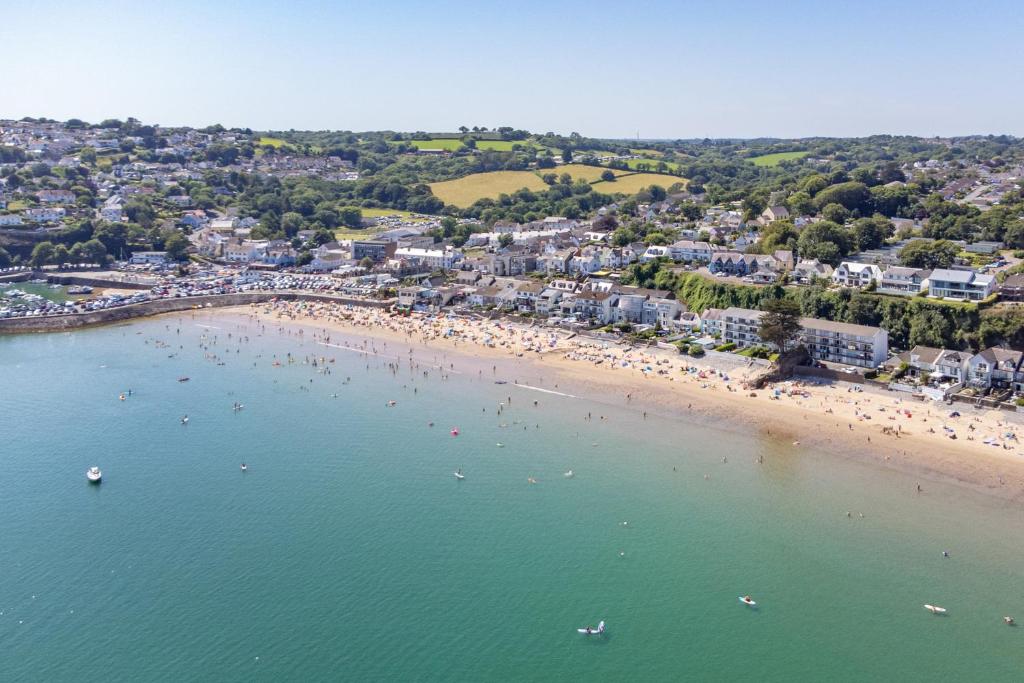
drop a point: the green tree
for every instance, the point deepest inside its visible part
(928, 254)
(825, 241)
(837, 213)
(505, 239)
(5, 258)
(780, 323)
(176, 245)
(871, 233)
(351, 216)
(800, 203)
(608, 176)
(852, 195)
(42, 254)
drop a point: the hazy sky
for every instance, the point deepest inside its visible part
(661, 68)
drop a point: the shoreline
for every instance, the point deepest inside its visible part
(809, 415)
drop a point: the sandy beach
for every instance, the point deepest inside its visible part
(886, 428)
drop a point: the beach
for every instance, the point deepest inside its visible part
(889, 429)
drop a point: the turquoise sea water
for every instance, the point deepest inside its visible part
(348, 551)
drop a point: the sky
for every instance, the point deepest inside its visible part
(647, 68)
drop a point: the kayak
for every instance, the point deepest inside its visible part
(460, 475)
(591, 631)
(748, 601)
(935, 609)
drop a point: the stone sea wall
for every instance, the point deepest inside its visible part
(57, 323)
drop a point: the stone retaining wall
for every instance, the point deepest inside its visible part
(56, 323)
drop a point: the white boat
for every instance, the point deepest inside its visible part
(591, 631)
(94, 475)
(184, 420)
(934, 609)
(459, 475)
(747, 600)
(244, 467)
(569, 474)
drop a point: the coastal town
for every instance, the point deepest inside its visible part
(621, 273)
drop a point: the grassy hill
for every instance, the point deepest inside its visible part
(580, 171)
(447, 144)
(464, 191)
(651, 163)
(774, 159)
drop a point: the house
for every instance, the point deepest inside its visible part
(435, 259)
(279, 253)
(56, 196)
(809, 270)
(516, 259)
(595, 305)
(328, 256)
(961, 285)
(1012, 288)
(689, 251)
(44, 214)
(984, 247)
(155, 258)
(112, 209)
(774, 213)
(227, 225)
(993, 368)
(853, 274)
(240, 250)
(194, 219)
(904, 281)
(10, 219)
(712, 322)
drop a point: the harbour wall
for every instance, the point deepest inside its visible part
(57, 323)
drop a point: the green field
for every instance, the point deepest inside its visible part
(447, 144)
(463, 192)
(631, 184)
(381, 213)
(652, 163)
(774, 159)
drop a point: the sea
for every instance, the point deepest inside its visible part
(348, 550)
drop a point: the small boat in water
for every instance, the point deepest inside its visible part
(244, 467)
(934, 609)
(748, 601)
(1009, 621)
(455, 431)
(569, 474)
(94, 475)
(591, 631)
(184, 420)
(183, 379)
(459, 475)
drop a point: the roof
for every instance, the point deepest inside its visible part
(841, 328)
(926, 354)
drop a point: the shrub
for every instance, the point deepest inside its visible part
(728, 346)
(696, 350)
(871, 374)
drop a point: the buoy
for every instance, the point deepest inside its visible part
(455, 431)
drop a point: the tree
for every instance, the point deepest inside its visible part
(176, 246)
(825, 241)
(608, 176)
(5, 258)
(780, 323)
(351, 216)
(928, 254)
(871, 233)
(851, 195)
(93, 251)
(114, 236)
(366, 263)
(292, 222)
(505, 239)
(42, 254)
(837, 213)
(800, 203)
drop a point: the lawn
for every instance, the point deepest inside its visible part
(645, 152)
(447, 144)
(580, 171)
(631, 184)
(464, 191)
(381, 213)
(273, 142)
(774, 159)
(17, 205)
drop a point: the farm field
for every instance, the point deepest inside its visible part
(580, 171)
(447, 144)
(774, 159)
(652, 163)
(272, 142)
(631, 184)
(463, 192)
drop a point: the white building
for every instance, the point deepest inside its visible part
(853, 274)
(436, 259)
(962, 285)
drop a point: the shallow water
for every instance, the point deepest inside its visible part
(348, 549)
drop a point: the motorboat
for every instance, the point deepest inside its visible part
(1009, 621)
(591, 631)
(183, 379)
(935, 609)
(459, 475)
(94, 475)
(569, 474)
(748, 601)
(184, 420)
(455, 431)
